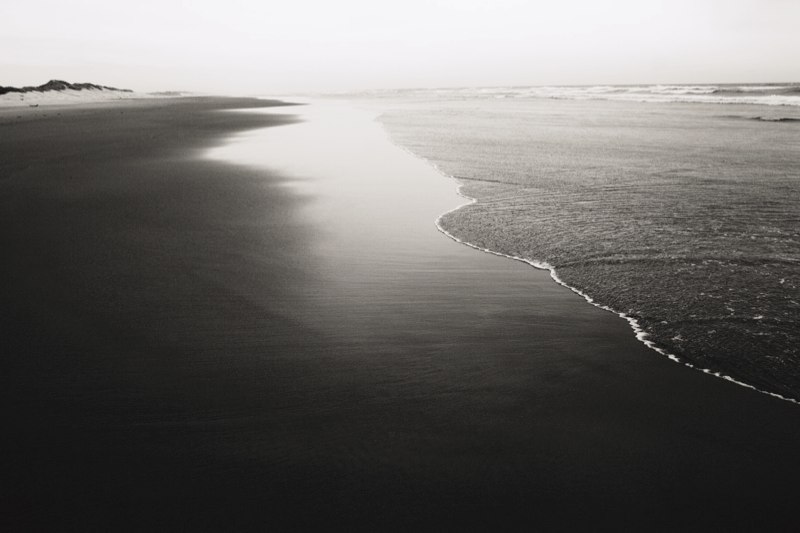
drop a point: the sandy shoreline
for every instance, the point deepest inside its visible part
(210, 344)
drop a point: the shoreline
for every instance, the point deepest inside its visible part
(640, 334)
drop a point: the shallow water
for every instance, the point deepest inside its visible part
(682, 216)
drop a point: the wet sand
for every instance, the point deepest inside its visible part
(273, 335)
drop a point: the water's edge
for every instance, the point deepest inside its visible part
(640, 333)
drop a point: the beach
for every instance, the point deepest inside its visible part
(232, 314)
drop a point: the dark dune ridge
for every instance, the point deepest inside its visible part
(157, 374)
(60, 85)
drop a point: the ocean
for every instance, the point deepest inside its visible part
(676, 206)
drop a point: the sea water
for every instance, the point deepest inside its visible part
(677, 206)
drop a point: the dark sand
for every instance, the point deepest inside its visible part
(172, 358)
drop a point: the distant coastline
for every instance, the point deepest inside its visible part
(61, 85)
(60, 92)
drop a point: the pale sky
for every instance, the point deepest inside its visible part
(251, 47)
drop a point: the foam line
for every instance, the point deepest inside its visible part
(641, 334)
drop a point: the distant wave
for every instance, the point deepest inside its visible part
(787, 94)
(767, 89)
(763, 118)
(778, 119)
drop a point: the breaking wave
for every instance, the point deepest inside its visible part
(787, 94)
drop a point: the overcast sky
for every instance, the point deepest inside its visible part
(249, 46)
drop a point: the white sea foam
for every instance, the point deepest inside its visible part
(639, 332)
(771, 95)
